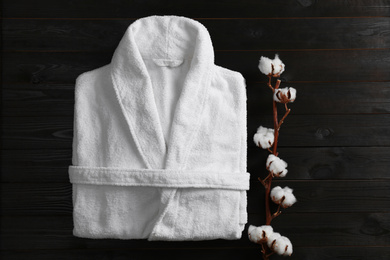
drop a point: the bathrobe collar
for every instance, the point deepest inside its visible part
(164, 38)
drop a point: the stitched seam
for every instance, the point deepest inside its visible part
(167, 38)
(175, 186)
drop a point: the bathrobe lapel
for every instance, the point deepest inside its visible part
(134, 91)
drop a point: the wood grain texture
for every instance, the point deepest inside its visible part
(337, 230)
(226, 34)
(306, 163)
(326, 163)
(313, 99)
(298, 131)
(307, 66)
(313, 196)
(336, 140)
(200, 8)
(301, 253)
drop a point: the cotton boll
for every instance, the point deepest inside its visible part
(277, 194)
(259, 234)
(293, 93)
(285, 95)
(251, 228)
(289, 248)
(254, 234)
(284, 196)
(282, 173)
(273, 67)
(287, 189)
(264, 137)
(278, 65)
(282, 246)
(267, 231)
(272, 238)
(289, 200)
(276, 166)
(265, 65)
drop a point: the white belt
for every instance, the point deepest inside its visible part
(159, 178)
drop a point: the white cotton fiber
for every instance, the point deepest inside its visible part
(285, 95)
(276, 166)
(272, 238)
(265, 65)
(259, 234)
(277, 194)
(278, 65)
(264, 137)
(271, 67)
(282, 246)
(284, 196)
(289, 200)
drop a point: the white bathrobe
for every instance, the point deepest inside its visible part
(159, 146)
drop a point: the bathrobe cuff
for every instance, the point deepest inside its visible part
(159, 178)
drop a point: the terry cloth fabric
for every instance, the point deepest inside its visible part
(159, 146)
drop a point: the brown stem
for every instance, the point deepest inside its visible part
(268, 215)
(262, 182)
(277, 213)
(277, 84)
(284, 117)
(270, 254)
(268, 176)
(264, 251)
(269, 83)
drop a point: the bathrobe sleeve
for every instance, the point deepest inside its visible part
(76, 119)
(241, 93)
(83, 122)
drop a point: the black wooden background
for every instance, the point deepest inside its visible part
(336, 140)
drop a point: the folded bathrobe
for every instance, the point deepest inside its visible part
(159, 146)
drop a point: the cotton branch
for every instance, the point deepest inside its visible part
(266, 138)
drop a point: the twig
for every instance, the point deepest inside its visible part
(270, 254)
(269, 83)
(284, 117)
(268, 215)
(262, 182)
(277, 213)
(277, 84)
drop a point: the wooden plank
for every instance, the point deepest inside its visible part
(313, 98)
(318, 253)
(304, 230)
(305, 163)
(328, 196)
(297, 131)
(327, 130)
(200, 8)
(243, 34)
(323, 98)
(317, 66)
(325, 163)
(35, 165)
(313, 196)
(33, 132)
(58, 100)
